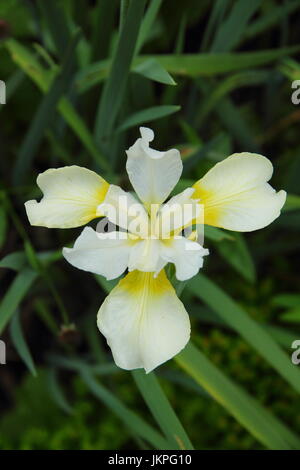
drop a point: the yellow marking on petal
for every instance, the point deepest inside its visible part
(100, 196)
(208, 199)
(144, 283)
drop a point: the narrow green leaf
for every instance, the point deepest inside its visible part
(236, 253)
(192, 160)
(147, 115)
(56, 392)
(161, 409)
(115, 86)
(57, 21)
(43, 79)
(147, 23)
(216, 234)
(44, 115)
(20, 344)
(15, 294)
(103, 27)
(286, 300)
(3, 226)
(15, 261)
(270, 18)
(191, 65)
(259, 422)
(131, 420)
(282, 336)
(248, 328)
(292, 203)
(292, 316)
(216, 17)
(233, 28)
(248, 78)
(153, 70)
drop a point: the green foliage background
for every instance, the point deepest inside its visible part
(210, 78)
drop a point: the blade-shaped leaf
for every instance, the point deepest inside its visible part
(237, 254)
(264, 426)
(115, 86)
(154, 71)
(162, 410)
(147, 115)
(44, 115)
(248, 328)
(15, 294)
(136, 424)
(20, 344)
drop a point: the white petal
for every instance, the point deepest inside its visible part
(123, 210)
(236, 195)
(153, 174)
(144, 322)
(100, 253)
(177, 213)
(185, 254)
(71, 197)
(145, 256)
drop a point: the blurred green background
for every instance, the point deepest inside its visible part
(210, 78)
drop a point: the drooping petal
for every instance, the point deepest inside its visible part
(236, 195)
(153, 174)
(144, 322)
(177, 213)
(71, 197)
(187, 256)
(123, 210)
(100, 253)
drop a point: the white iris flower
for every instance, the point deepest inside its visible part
(143, 320)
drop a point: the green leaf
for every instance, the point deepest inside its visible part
(147, 23)
(136, 424)
(216, 234)
(115, 86)
(236, 253)
(292, 203)
(56, 392)
(161, 409)
(247, 411)
(275, 15)
(191, 65)
(292, 315)
(43, 79)
(286, 300)
(147, 115)
(248, 328)
(57, 22)
(20, 344)
(44, 115)
(15, 261)
(216, 17)
(154, 71)
(248, 78)
(3, 226)
(103, 28)
(233, 28)
(15, 294)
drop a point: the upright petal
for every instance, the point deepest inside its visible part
(100, 253)
(177, 213)
(236, 195)
(144, 322)
(145, 256)
(187, 256)
(153, 174)
(71, 197)
(123, 210)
